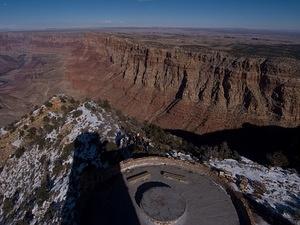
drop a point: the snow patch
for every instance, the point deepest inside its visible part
(3, 131)
(17, 143)
(278, 188)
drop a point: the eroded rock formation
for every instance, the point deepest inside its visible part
(199, 91)
(202, 91)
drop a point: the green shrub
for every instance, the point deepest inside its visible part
(110, 146)
(156, 133)
(46, 119)
(58, 167)
(42, 193)
(48, 127)
(11, 127)
(32, 132)
(67, 150)
(19, 152)
(43, 159)
(72, 101)
(120, 114)
(64, 109)
(40, 141)
(90, 107)
(8, 206)
(50, 213)
(278, 159)
(104, 104)
(77, 113)
(22, 222)
(21, 133)
(62, 99)
(48, 104)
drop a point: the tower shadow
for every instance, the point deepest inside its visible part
(97, 193)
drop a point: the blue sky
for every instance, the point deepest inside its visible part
(261, 14)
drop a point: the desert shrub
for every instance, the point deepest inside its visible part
(120, 114)
(32, 119)
(62, 99)
(64, 109)
(48, 127)
(42, 193)
(46, 119)
(111, 146)
(51, 211)
(40, 141)
(220, 151)
(11, 127)
(71, 108)
(156, 133)
(31, 132)
(58, 167)
(22, 222)
(21, 133)
(48, 104)
(19, 152)
(43, 159)
(67, 150)
(278, 159)
(224, 152)
(297, 214)
(25, 127)
(104, 104)
(8, 206)
(72, 101)
(24, 116)
(88, 105)
(57, 122)
(77, 113)
(27, 218)
(59, 138)
(135, 149)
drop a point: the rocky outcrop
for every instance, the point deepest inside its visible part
(201, 92)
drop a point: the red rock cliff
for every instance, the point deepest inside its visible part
(201, 92)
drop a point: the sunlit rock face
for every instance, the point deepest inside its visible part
(196, 89)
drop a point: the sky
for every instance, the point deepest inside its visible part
(253, 14)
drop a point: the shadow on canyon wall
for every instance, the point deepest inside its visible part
(96, 195)
(268, 145)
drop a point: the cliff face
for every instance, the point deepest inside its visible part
(199, 91)
(202, 92)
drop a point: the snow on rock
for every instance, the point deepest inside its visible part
(90, 121)
(17, 143)
(52, 136)
(275, 187)
(3, 131)
(38, 111)
(38, 179)
(182, 156)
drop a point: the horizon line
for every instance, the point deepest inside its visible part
(6, 29)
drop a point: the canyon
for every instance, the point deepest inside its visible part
(177, 81)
